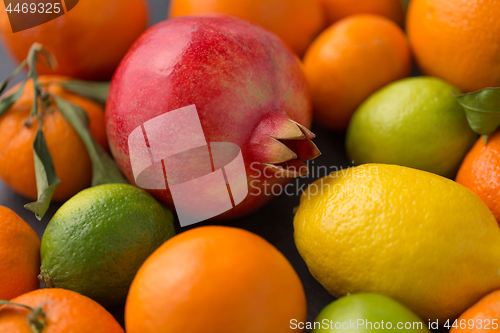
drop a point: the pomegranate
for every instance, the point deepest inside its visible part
(247, 87)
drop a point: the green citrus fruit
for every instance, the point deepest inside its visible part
(367, 313)
(414, 122)
(419, 238)
(97, 241)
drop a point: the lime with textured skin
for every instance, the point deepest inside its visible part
(415, 122)
(369, 311)
(97, 240)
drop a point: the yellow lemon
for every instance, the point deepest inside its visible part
(417, 237)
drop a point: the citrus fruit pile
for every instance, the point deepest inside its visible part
(133, 134)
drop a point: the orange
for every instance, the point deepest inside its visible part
(297, 22)
(71, 160)
(65, 311)
(89, 41)
(457, 40)
(484, 316)
(338, 9)
(19, 256)
(215, 279)
(480, 172)
(351, 60)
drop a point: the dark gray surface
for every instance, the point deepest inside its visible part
(273, 222)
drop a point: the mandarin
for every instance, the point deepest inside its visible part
(71, 160)
(89, 41)
(215, 279)
(457, 40)
(19, 255)
(480, 172)
(351, 60)
(297, 22)
(60, 311)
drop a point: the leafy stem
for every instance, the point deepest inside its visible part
(97, 91)
(4, 84)
(104, 168)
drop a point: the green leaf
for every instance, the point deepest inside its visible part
(13, 75)
(97, 91)
(104, 168)
(7, 101)
(46, 178)
(482, 109)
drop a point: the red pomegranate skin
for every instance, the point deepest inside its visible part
(244, 82)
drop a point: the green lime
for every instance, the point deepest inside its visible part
(97, 241)
(367, 313)
(415, 122)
